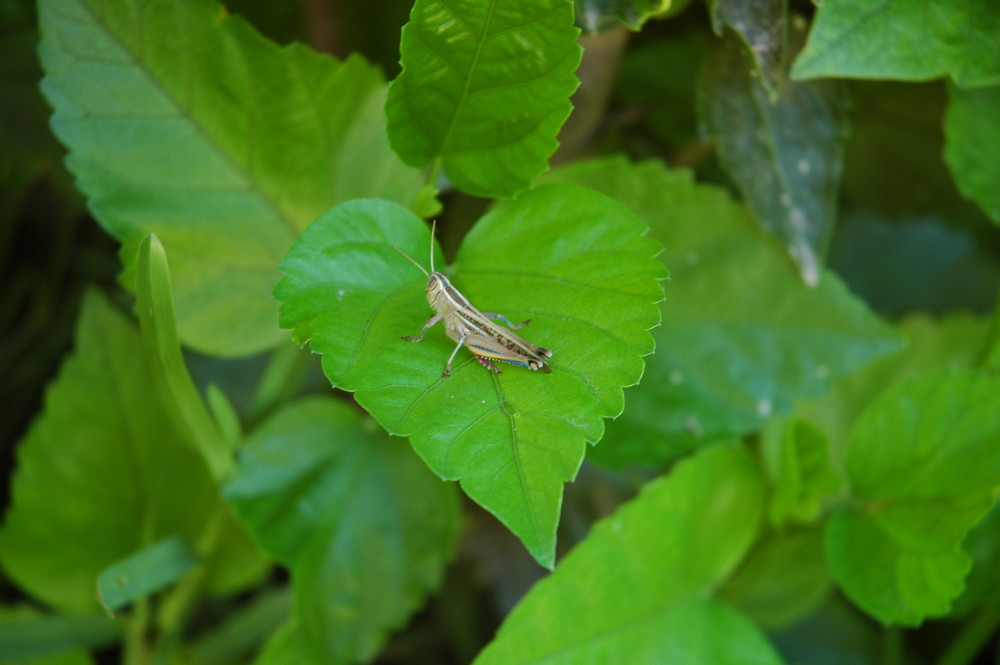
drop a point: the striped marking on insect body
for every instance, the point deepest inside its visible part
(474, 329)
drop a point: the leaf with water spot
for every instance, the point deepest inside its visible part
(742, 337)
(573, 261)
(785, 154)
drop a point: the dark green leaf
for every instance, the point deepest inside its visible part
(785, 155)
(225, 148)
(957, 271)
(356, 517)
(26, 634)
(904, 39)
(972, 126)
(144, 572)
(742, 337)
(762, 27)
(571, 260)
(681, 538)
(485, 87)
(103, 467)
(783, 579)
(923, 459)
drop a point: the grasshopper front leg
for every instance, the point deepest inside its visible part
(447, 365)
(430, 322)
(497, 315)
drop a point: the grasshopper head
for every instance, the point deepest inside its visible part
(439, 290)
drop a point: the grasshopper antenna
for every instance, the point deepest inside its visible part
(433, 229)
(411, 260)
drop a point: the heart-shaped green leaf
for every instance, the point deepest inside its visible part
(485, 87)
(923, 459)
(573, 261)
(362, 526)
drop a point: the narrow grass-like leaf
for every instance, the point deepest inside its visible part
(972, 127)
(362, 525)
(573, 261)
(144, 572)
(485, 87)
(161, 347)
(923, 460)
(785, 154)
(742, 337)
(782, 580)
(26, 636)
(639, 588)
(910, 40)
(104, 467)
(184, 121)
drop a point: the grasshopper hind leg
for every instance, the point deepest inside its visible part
(488, 365)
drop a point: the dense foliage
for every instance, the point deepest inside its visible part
(759, 238)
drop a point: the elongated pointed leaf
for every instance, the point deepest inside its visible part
(155, 307)
(785, 154)
(103, 467)
(972, 127)
(762, 27)
(362, 525)
(225, 147)
(571, 260)
(144, 572)
(904, 39)
(742, 337)
(681, 538)
(485, 87)
(923, 459)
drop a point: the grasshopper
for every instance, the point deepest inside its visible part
(474, 329)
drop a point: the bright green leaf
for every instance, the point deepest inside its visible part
(571, 260)
(103, 467)
(225, 148)
(363, 526)
(485, 87)
(972, 127)
(783, 579)
(742, 337)
(638, 588)
(785, 155)
(923, 458)
(144, 572)
(956, 341)
(797, 457)
(982, 586)
(911, 40)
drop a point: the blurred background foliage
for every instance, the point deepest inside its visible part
(906, 241)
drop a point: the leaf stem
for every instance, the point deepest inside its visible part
(973, 636)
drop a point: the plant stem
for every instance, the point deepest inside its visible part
(973, 636)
